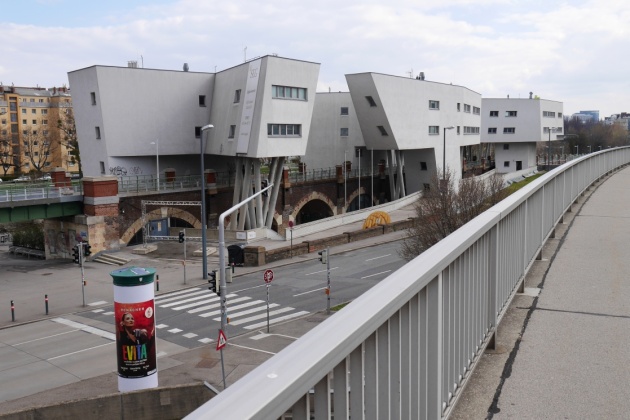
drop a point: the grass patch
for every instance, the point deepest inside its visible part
(339, 307)
(518, 185)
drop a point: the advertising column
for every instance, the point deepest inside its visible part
(134, 312)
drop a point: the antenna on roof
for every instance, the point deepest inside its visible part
(244, 54)
(410, 73)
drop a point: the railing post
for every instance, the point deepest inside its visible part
(434, 349)
(493, 284)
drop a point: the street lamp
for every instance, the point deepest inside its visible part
(577, 149)
(157, 160)
(549, 130)
(204, 249)
(444, 153)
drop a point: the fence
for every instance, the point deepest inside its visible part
(10, 192)
(406, 347)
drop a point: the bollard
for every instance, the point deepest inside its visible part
(12, 312)
(232, 268)
(46, 302)
(157, 283)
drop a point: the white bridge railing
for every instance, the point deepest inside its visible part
(405, 348)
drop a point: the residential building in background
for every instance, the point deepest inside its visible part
(515, 126)
(31, 141)
(622, 120)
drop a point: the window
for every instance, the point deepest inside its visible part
(198, 132)
(102, 165)
(24, 122)
(237, 96)
(33, 111)
(471, 130)
(23, 110)
(70, 163)
(382, 130)
(434, 129)
(423, 166)
(44, 112)
(45, 133)
(492, 130)
(98, 132)
(32, 99)
(510, 113)
(34, 132)
(4, 121)
(44, 122)
(549, 114)
(494, 113)
(458, 107)
(34, 122)
(506, 164)
(284, 130)
(25, 132)
(506, 146)
(344, 110)
(427, 187)
(14, 118)
(202, 100)
(370, 100)
(93, 97)
(288, 92)
(41, 101)
(467, 108)
(343, 132)
(476, 110)
(559, 114)
(47, 163)
(458, 132)
(232, 132)
(509, 130)
(559, 130)
(434, 104)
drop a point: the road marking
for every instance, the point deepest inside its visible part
(250, 311)
(86, 328)
(203, 302)
(205, 340)
(321, 271)
(192, 299)
(377, 274)
(75, 352)
(250, 348)
(255, 317)
(306, 293)
(244, 305)
(100, 302)
(265, 335)
(190, 335)
(181, 292)
(276, 320)
(43, 338)
(175, 330)
(376, 258)
(169, 299)
(250, 288)
(216, 305)
(159, 326)
(98, 310)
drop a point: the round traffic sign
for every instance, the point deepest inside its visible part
(268, 276)
(291, 224)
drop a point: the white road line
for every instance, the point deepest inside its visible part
(249, 311)
(43, 338)
(216, 305)
(306, 293)
(250, 348)
(189, 335)
(376, 258)
(170, 299)
(377, 274)
(261, 335)
(276, 320)
(256, 317)
(205, 340)
(100, 302)
(250, 288)
(203, 302)
(175, 330)
(98, 310)
(192, 299)
(321, 271)
(181, 292)
(232, 308)
(161, 326)
(86, 328)
(75, 352)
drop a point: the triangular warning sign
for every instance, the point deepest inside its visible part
(221, 340)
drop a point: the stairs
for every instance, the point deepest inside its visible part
(111, 259)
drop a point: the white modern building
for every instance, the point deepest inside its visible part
(515, 126)
(418, 124)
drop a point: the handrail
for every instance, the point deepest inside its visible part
(405, 348)
(26, 191)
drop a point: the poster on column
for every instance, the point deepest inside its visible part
(135, 339)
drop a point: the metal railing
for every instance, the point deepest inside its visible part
(406, 347)
(30, 190)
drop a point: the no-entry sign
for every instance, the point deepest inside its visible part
(268, 276)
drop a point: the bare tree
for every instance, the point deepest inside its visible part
(38, 147)
(6, 152)
(68, 133)
(444, 208)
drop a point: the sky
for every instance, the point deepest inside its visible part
(569, 51)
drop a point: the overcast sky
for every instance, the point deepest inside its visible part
(571, 51)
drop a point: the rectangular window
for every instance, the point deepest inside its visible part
(202, 100)
(492, 130)
(44, 122)
(44, 112)
(559, 130)
(93, 97)
(382, 130)
(434, 104)
(344, 110)
(458, 132)
(284, 130)
(24, 122)
(343, 132)
(45, 132)
(509, 130)
(33, 111)
(34, 122)
(476, 110)
(98, 132)
(549, 114)
(494, 113)
(25, 132)
(458, 107)
(506, 164)
(232, 132)
(23, 110)
(559, 114)
(4, 121)
(506, 146)
(237, 96)
(47, 163)
(370, 100)
(198, 132)
(510, 113)
(467, 108)
(102, 165)
(14, 118)
(434, 129)
(288, 92)
(423, 166)
(471, 130)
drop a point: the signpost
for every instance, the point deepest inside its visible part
(268, 277)
(291, 230)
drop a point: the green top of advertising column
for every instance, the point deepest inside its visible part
(133, 276)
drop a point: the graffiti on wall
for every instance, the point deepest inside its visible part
(122, 171)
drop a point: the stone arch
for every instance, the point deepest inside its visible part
(314, 195)
(159, 213)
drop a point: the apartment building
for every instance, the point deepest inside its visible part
(30, 140)
(515, 126)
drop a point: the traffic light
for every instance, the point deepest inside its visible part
(214, 285)
(87, 251)
(75, 254)
(181, 237)
(323, 256)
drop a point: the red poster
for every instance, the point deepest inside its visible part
(135, 339)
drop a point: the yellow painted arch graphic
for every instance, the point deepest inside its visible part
(375, 219)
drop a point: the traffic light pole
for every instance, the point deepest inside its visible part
(82, 271)
(328, 281)
(184, 256)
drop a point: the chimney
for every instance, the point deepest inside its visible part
(530, 95)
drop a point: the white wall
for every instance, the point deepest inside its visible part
(523, 152)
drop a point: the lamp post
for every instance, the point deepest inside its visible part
(444, 153)
(204, 248)
(577, 149)
(157, 160)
